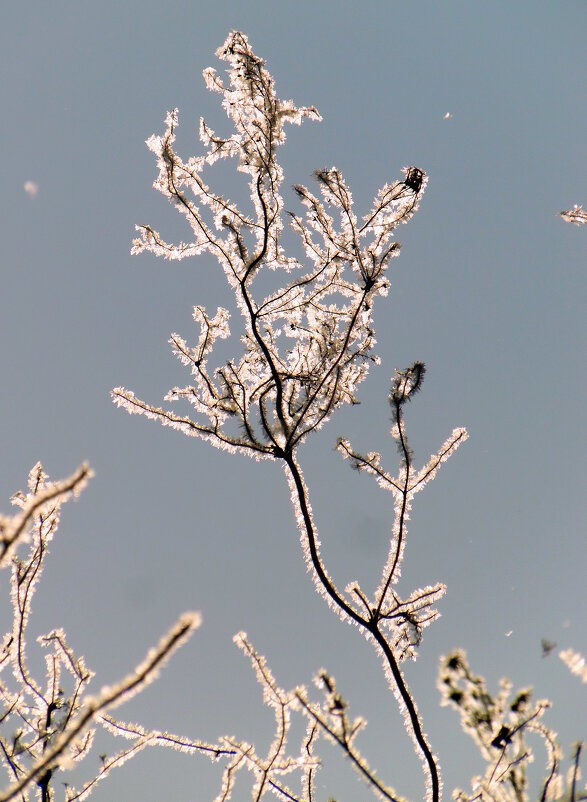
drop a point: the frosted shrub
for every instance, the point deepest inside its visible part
(306, 348)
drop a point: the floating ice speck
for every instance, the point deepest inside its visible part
(31, 188)
(576, 215)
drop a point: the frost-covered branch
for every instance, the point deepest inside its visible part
(333, 722)
(308, 344)
(48, 725)
(395, 625)
(327, 718)
(500, 725)
(15, 528)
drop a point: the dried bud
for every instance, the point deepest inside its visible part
(414, 179)
(406, 383)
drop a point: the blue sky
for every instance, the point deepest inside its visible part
(489, 291)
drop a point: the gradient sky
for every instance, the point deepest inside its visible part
(489, 291)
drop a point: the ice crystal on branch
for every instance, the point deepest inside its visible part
(405, 619)
(308, 345)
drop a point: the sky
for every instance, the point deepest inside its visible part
(489, 291)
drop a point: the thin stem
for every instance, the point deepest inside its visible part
(404, 505)
(301, 494)
(370, 624)
(411, 710)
